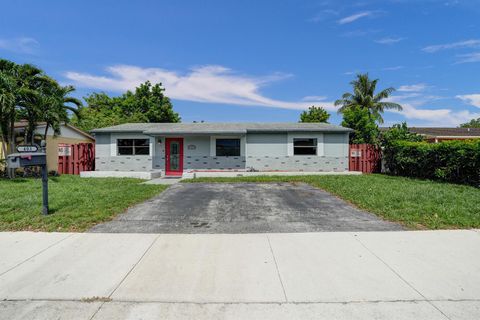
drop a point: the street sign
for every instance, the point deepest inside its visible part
(27, 148)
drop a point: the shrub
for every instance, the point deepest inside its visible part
(398, 132)
(452, 161)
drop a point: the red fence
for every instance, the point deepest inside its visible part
(75, 158)
(365, 158)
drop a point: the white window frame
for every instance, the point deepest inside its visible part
(115, 137)
(315, 146)
(313, 135)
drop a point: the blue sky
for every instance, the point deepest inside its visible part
(258, 60)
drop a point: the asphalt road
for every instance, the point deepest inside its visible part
(244, 208)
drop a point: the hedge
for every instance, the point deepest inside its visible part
(451, 161)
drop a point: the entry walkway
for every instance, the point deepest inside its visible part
(338, 275)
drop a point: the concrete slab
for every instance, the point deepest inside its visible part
(165, 180)
(205, 268)
(439, 264)
(248, 276)
(43, 310)
(231, 174)
(244, 208)
(146, 175)
(334, 267)
(317, 311)
(17, 247)
(459, 310)
(82, 266)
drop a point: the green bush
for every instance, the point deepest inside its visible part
(452, 161)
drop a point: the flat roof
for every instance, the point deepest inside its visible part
(220, 128)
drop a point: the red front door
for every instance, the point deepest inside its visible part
(173, 156)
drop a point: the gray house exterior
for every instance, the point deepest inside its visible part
(175, 148)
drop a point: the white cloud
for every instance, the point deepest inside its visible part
(389, 40)
(413, 88)
(472, 43)
(209, 84)
(469, 57)
(354, 17)
(20, 45)
(473, 99)
(432, 117)
(314, 98)
(395, 68)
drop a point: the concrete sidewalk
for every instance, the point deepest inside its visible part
(341, 275)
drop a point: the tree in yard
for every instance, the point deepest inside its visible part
(150, 100)
(56, 104)
(399, 132)
(7, 107)
(147, 103)
(27, 93)
(314, 114)
(366, 107)
(365, 130)
(474, 123)
(19, 89)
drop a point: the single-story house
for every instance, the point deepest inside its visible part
(54, 144)
(438, 134)
(175, 148)
(444, 134)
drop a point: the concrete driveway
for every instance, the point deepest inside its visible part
(328, 275)
(244, 208)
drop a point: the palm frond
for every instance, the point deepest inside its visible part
(391, 106)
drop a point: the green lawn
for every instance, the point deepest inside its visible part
(75, 203)
(417, 204)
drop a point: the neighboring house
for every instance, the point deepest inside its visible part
(435, 135)
(174, 148)
(443, 134)
(68, 135)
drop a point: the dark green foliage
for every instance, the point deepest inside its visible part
(147, 104)
(474, 123)
(398, 132)
(452, 161)
(364, 126)
(315, 114)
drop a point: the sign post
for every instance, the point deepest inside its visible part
(44, 189)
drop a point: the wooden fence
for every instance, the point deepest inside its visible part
(366, 158)
(76, 158)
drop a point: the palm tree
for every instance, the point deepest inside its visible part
(18, 84)
(20, 87)
(56, 104)
(7, 106)
(364, 97)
